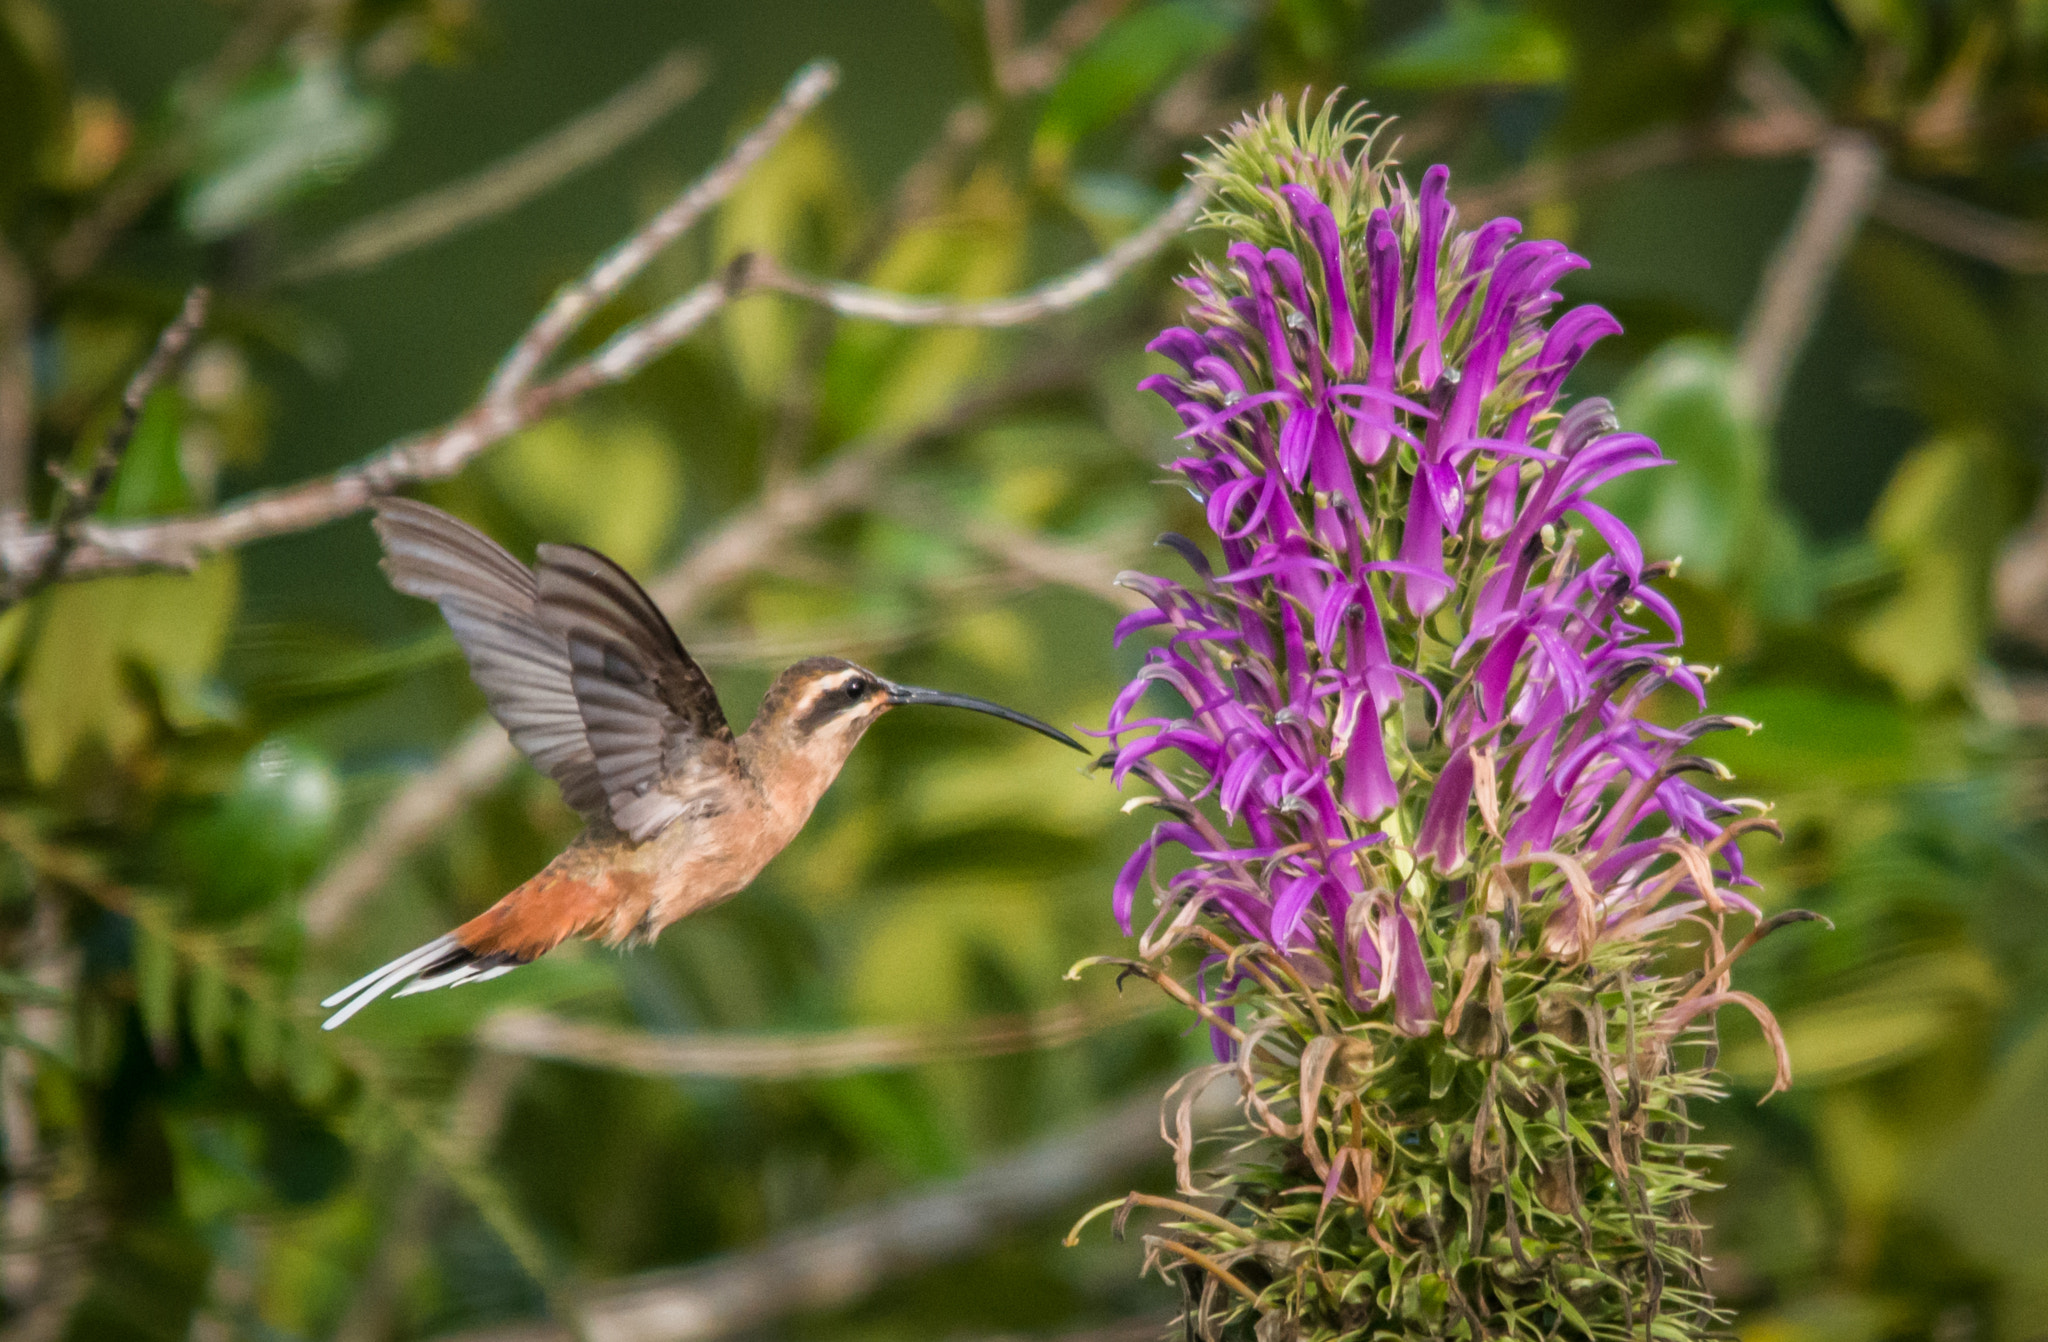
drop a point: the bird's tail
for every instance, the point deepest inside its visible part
(441, 963)
(520, 928)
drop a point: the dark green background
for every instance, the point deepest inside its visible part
(243, 1177)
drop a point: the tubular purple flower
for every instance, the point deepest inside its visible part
(1436, 216)
(1442, 835)
(1321, 226)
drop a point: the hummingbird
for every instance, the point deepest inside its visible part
(589, 679)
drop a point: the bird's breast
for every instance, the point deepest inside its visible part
(704, 859)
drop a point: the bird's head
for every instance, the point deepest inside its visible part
(819, 708)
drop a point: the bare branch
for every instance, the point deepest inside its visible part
(784, 1057)
(1068, 291)
(1776, 134)
(1089, 571)
(1031, 558)
(573, 305)
(17, 387)
(1002, 22)
(2011, 244)
(1847, 173)
(447, 210)
(1787, 121)
(846, 1257)
(2019, 586)
(180, 541)
(1030, 69)
(77, 497)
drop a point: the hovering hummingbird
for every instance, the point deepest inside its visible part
(589, 679)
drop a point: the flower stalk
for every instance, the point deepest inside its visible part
(1435, 847)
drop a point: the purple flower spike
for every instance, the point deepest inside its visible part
(1373, 423)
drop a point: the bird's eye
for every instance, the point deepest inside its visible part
(855, 689)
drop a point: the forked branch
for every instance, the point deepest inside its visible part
(514, 398)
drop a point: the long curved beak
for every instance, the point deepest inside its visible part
(911, 694)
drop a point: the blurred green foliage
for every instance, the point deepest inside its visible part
(182, 756)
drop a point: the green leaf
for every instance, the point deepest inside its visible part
(1909, 1008)
(280, 137)
(151, 479)
(1941, 518)
(1984, 1181)
(1135, 56)
(612, 481)
(210, 1010)
(1478, 44)
(269, 834)
(1813, 735)
(74, 686)
(1937, 327)
(1701, 505)
(219, 1164)
(796, 207)
(156, 976)
(263, 1038)
(882, 377)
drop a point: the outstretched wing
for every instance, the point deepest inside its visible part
(521, 662)
(653, 721)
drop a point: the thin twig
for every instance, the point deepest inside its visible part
(2011, 244)
(1068, 291)
(78, 496)
(783, 1057)
(1786, 123)
(843, 1259)
(1848, 170)
(574, 304)
(34, 1255)
(1776, 134)
(1029, 69)
(1206, 1263)
(447, 210)
(1089, 571)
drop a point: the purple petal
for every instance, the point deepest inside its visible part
(1181, 345)
(1321, 226)
(1369, 790)
(1442, 835)
(1252, 262)
(1414, 993)
(1435, 214)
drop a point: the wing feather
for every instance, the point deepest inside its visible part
(651, 717)
(519, 660)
